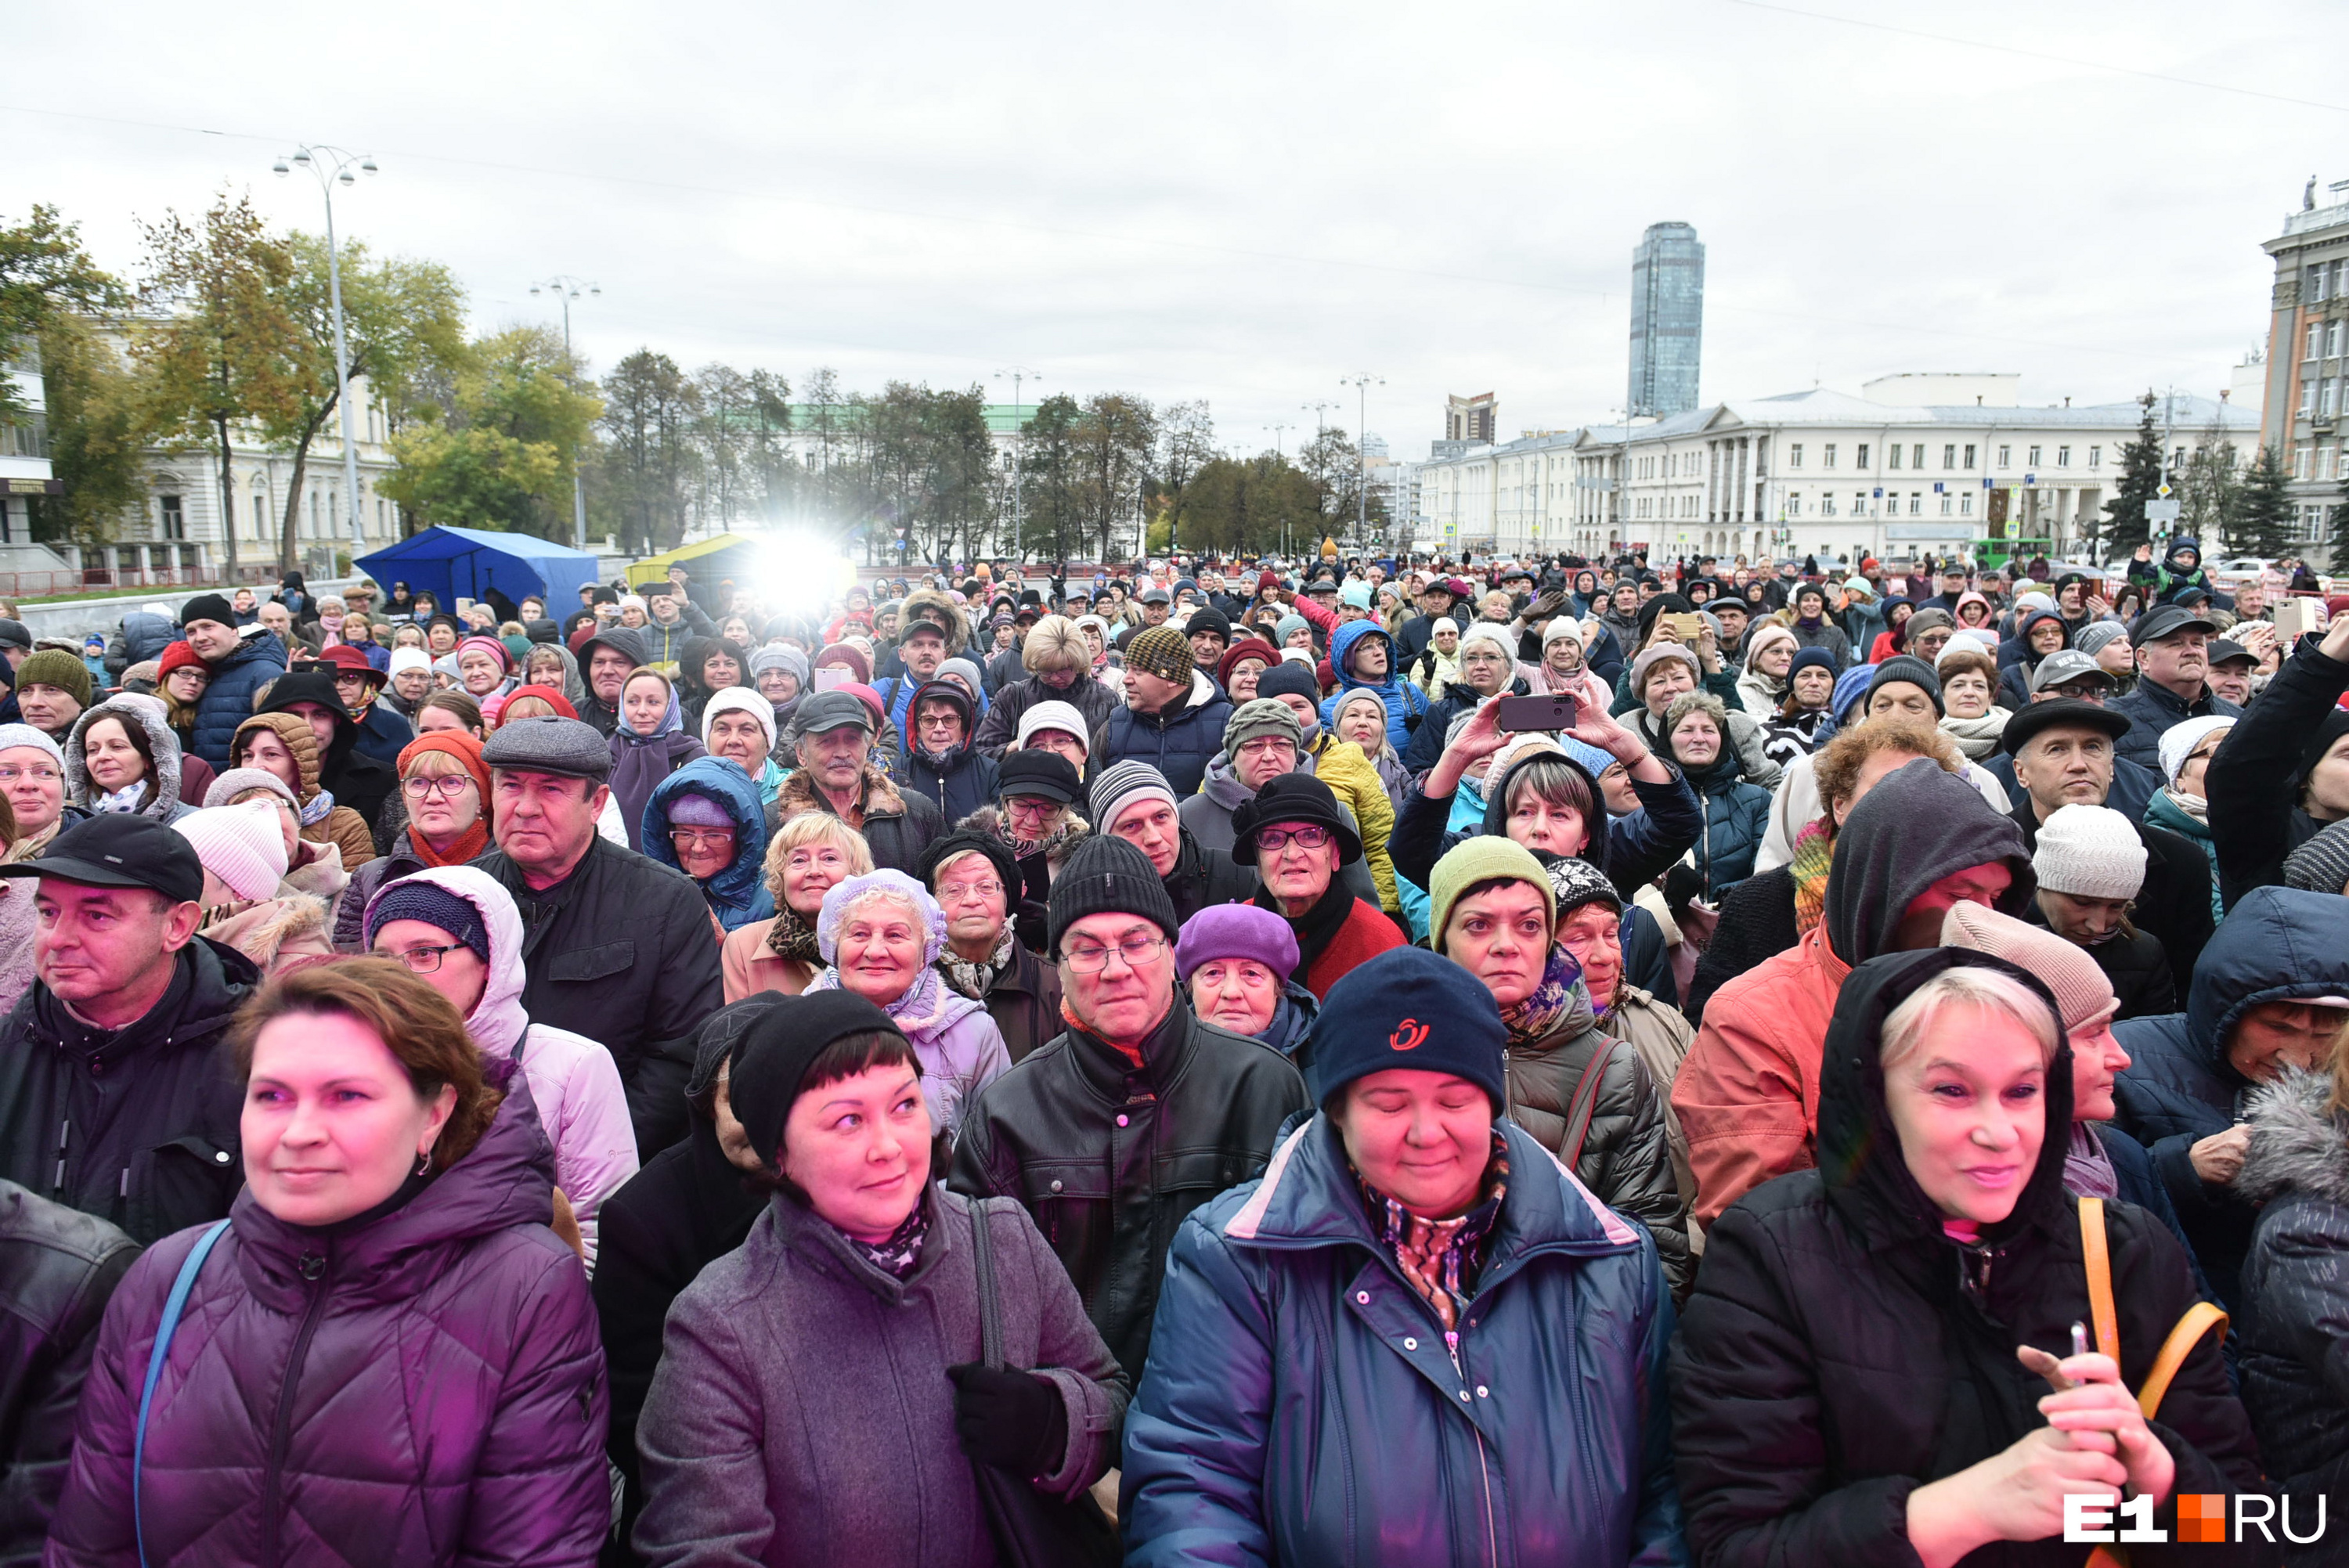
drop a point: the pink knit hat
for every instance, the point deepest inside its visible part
(2082, 991)
(243, 846)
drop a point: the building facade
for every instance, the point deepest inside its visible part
(24, 471)
(1477, 419)
(2306, 419)
(1815, 472)
(1667, 321)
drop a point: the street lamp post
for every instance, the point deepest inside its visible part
(315, 159)
(566, 289)
(1361, 382)
(1020, 374)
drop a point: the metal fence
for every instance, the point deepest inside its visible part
(130, 580)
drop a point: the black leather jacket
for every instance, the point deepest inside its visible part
(1111, 1158)
(59, 1267)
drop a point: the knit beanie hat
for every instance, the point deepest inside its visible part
(780, 658)
(944, 852)
(692, 809)
(1060, 717)
(489, 645)
(770, 1059)
(973, 681)
(1408, 1008)
(208, 607)
(1121, 784)
(56, 667)
(1910, 668)
(1235, 931)
(1161, 651)
(1565, 628)
(1356, 592)
(12, 736)
(1443, 624)
(1807, 658)
(1576, 881)
(1288, 627)
(1207, 618)
(2082, 994)
(1493, 633)
(177, 656)
(1654, 655)
(1290, 677)
(411, 898)
(1054, 643)
(1260, 716)
(1484, 857)
(243, 846)
(1106, 875)
(406, 659)
(2179, 741)
(227, 786)
(2322, 864)
(2089, 851)
(2097, 636)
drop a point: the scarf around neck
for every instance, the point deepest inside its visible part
(792, 937)
(1814, 854)
(919, 1012)
(896, 1253)
(1441, 1258)
(973, 980)
(2087, 1169)
(1318, 927)
(127, 798)
(1537, 1015)
(1977, 738)
(315, 809)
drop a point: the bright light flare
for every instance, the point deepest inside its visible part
(804, 573)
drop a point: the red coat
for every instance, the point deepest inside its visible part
(1365, 934)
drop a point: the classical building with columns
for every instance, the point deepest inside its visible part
(1915, 464)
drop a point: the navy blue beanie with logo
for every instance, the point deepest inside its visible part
(1408, 1008)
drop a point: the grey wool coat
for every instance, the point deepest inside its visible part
(801, 1412)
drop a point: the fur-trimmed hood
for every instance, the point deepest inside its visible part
(929, 604)
(162, 745)
(287, 932)
(2297, 1141)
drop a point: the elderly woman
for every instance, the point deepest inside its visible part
(33, 781)
(1970, 712)
(1037, 822)
(1936, 1237)
(1236, 962)
(1360, 717)
(483, 663)
(1562, 658)
(122, 757)
(738, 726)
(855, 1307)
(781, 674)
(880, 935)
(806, 858)
(1803, 717)
(648, 745)
(1415, 1273)
(1736, 811)
(1294, 834)
(1242, 662)
(444, 788)
(284, 745)
(705, 819)
(976, 880)
(553, 666)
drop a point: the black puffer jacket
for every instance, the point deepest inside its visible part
(1833, 1360)
(1014, 698)
(138, 1126)
(1200, 878)
(2296, 1286)
(57, 1269)
(1625, 1158)
(2254, 779)
(1111, 1158)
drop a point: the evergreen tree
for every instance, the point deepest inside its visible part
(2125, 525)
(2262, 512)
(2339, 536)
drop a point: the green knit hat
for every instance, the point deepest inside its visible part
(54, 667)
(1487, 857)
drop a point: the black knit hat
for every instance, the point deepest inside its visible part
(1408, 1009)
(1288, 677)
(771, 1057)
(1106, 875)
(966, 841)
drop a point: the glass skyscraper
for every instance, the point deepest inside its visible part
(1667, 319)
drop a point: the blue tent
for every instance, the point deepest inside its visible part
(464, 562)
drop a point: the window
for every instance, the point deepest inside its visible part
(1966, 504)
(1794, 506)
(2300, 460)
(175, 517)
(1916, 503)
(1828, 453)
(1945, 500)
(2032, 461)
(2315, 340)
(2063, 456)
(1892, 456)
(2178, 457)
(2324, 462)
(1795, 456)
(2095, 457)
(1859, 503)
(2316, 283)
(1860, 458)
(1970, 455)
(1949, 456)
(2332, 339)
(2308, 394)
(2324, 397)
(2006, 456)
(1916, 456)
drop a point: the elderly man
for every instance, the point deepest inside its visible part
(605, 661)
(616, 947)
(238, 667)
(1081, 1131)
(837, 774)
(279, 621)
(53, 687)
(1133, 802)
(1298, 837)
(1265, 740)
(2173, 671)
(1174, 718)
(1436, 601)
(2232, 668)
(923, 648)
(977, 882)
(2062, 755)
(118, 1101)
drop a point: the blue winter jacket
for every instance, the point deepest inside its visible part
(2275, 945)
(1736, 815)
(145, 635)
(227, 702)
(1179, 742)
(737, 895)
(1302, 1405)
(1405, 702)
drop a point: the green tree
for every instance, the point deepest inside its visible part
(1186, 443)
(2125, 526)
(1053, 523)
(648, 464)
(1252, 505)
(219, 334)
(765, 452)
(400, 320)
(490, 443)
(100, 421)
(2262, 519)
(1112, 442)
(2210, 488)
(45, 274)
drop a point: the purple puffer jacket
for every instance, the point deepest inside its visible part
(427, 1388)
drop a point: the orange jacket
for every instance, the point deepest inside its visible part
(1748, 1095)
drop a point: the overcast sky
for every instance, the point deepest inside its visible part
(1246, 202)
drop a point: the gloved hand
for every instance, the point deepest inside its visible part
(1011, 1419)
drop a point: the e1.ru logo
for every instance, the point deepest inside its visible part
(2201, 1518)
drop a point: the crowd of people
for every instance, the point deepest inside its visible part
(1855, 1067)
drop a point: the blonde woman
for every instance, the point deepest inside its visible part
(807, 856)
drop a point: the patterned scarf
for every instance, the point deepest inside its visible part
(1814, 854)
(896, 1255)
(917, 1012)
(1441, 1258)
(316, 808)
(1050, 846)
(129, 798)
(973, 979)
(1537, 1015)
(793, 937)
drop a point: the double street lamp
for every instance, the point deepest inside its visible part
(566, 289)
(333, 167)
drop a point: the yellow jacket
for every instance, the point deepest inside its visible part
(1341, 765)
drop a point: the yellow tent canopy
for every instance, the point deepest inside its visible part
(653, 566)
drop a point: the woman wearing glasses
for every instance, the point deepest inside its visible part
(1295, 836)
(184, 676)
(444, 786)
(706, 821)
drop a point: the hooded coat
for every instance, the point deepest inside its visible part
(639, 762)
(962, 780)
(1633, 850)
(574, 1082)
(2277, 944)
(1748, 1094)
(626, 641)
(422, 1387)
(1406, 703)
(227, 701)
(341, 828)
(2295, 1293)
(1303, 1405)
(1832, 1361)
(162, 783)
(1736, 815)
(738, 894)
(357, 779)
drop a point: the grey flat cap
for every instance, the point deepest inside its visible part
(824, 710)
(550, 744)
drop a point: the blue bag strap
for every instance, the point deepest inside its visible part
(173, 1305)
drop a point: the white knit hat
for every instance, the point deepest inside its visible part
(243, 846)
(2179, 741)
(1060, 717)
(406, 659)
(1490, 632)
(1563, 626)
(2089, 851)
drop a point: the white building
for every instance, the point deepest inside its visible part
(1916, 463)
(25, 470)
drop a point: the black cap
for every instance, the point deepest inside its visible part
(2164, 621)
(15, 634)
(1043, 773)
(827, 710)
(967, 842)
(2226, 649)
(2061, 713)
(113, 850)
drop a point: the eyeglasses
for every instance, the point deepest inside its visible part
(448, 786)
(702, 838)
(955, 893)
(1091, 957)
(419, 960)
(37, 773)
(1306, 836)
(2093, 691)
